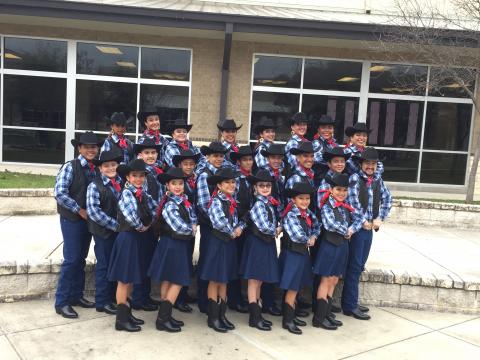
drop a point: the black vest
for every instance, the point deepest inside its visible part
(363, 196)
(116, 145)
(152, 186)
(226, 210)
(109, 205)
(244, 198)
(289, 244)
(203, 218)
(77, 190)
(167, 230)
(334, 237)
(143, 213)
(258, 233)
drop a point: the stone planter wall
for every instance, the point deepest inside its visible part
(27, 202)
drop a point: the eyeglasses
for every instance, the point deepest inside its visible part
(264, 186)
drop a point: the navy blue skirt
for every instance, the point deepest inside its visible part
(259, 260)
(296, 270)
(331, 260)
(220, 262)
(171, 261)
(127, 262)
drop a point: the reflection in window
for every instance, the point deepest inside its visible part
(332, 75)
(451, 82)
(447, 126)
(35, 54)
(400, 166)
(97, 100)
(277, 106)
(440, 168)
(33, 146)
(398, 79)
(277, 71)
(166, 64)
(107, 59)
(34, 101)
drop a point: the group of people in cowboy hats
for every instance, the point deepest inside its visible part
(144, 204)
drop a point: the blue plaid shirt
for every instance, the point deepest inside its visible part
(298, 176)
(319, 146)
(331, 224)
(162, 140)
(161, 187)
(219, 219)
(385, 197)
(260, 160)
(203, 195)
(107, 147)
(64, 180)
(259, 215)
(294, 141)
(171, 214)
(322, 187)
(291, 224)
(94, 210)
(128, 205)
(353, 165)
(226, 161)
(173, 149)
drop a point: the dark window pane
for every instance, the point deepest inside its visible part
(400, 166)
(447, 126)
(107, 59)
(277, 71)
(171, 102)
(166, 64)
(438, 168)
(35, 54)
(451, 82)
(395, 123)
(343, 109)
(332, 75)
(34, 101)
(97, 100)
(277, 106)
(398, 79)
(33, 146)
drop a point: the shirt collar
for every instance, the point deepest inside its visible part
(365, 176)
(262, 198)
(106, 179)
(212, 168)
(83, 161)
(177, 199)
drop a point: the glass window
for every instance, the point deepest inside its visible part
(451, 82)
(171, 102)
(332, 75)
(97, 100)
(398, 79)
(447, 126)
(440, 168)
(33, 146)
(35, 54)
(395, 123)
(343, 109)
(277, 71)
(277, 106)
(400, 166)
(166, 64)
(34, 101)
(107, 59)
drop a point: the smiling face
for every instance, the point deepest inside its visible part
(275, 161)
(369, 167)
(246, 162)
(229, 136)
(359, 139)
(325, 131)
(216, 159)
(300, 129)
(268, 134)
(305, 160)
(149, 156)
(263, 188)
(176, 187)
(339, 193)
(88, 151)
(152, 122)
(136, 178)
(187, 166)
(337, 164)
(118, 129)
(227, 186)
(109, 169)
(302, 201)
(180, 135)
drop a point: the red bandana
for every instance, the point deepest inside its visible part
(215, 192)
(304, 214)
(161, 205)
(276, 173)
(370, 180)
(302, 138)
(138, 194)
(91, 166)
(233, 203)
(316, 136)
(344, 205)
(331, 142)
(183, 145)
(326, 194)
(154, 133)
(309, 172)
(273, 201)
(115, 185)
(122, 142)
(245, 172)
(186, 202)
(287, 209)
(191, 182)
(234, 148)
(361, 148)
(158, 170)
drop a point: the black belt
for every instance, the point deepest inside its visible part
(260, 235)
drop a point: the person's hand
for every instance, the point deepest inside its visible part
(237, 232)
(377, 223)
(278, 230)
(311, 241)
(144, 228)
(83, 214)
(349, 234)
(367, 225)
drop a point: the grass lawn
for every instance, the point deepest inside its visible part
(449, 201)
(9, 180)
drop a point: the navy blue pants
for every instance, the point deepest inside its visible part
(76, 242)
(141, 292)
(234, 287)
(202, 285)
(104, 289)
(359, 248)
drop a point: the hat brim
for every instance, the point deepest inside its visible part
(123, 170)
(98, 162)
(221, 128)
(260, 128)
(188, 127)
(138, 148)
(76, 143)
(297, 151)
(266, 153)
(205, 150)
(235, 156)
(177, 159)
(215, 179)
(165, 178)
(252, 179)
(327, 157)
(350, 131)
(332, 183)
(290, 193)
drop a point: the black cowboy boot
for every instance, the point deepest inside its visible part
(265, 321)
(255, 319)
(320, 317)
(122, 321)
(134, 320)
(330, 315)
(164, 318)
(223, 309)
(288, 320)
(213, 311)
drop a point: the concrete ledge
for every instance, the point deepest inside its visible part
(27, 202)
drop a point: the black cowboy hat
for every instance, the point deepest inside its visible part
(329, 154)
(110, 155)
(245, 150)
(222, 175)
(185, 154)
(299, 188)
(134, 165)
(146, 144)
(326, 120)
(265, 123)
(298, 118)
(305, 147)
(117, 118)
(370, 153)
(215, 147)
(358, 127)
(87, 138)
(228, 124)
(180, 124)
(261, 175)
(146, 112)
(338, 180)
(171, 174)
(274, 149)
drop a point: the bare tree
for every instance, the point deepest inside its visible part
(446, 36)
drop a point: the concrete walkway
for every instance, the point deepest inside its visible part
(31, 330)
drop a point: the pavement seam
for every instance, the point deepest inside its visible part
(14, 347)
(266, 351)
